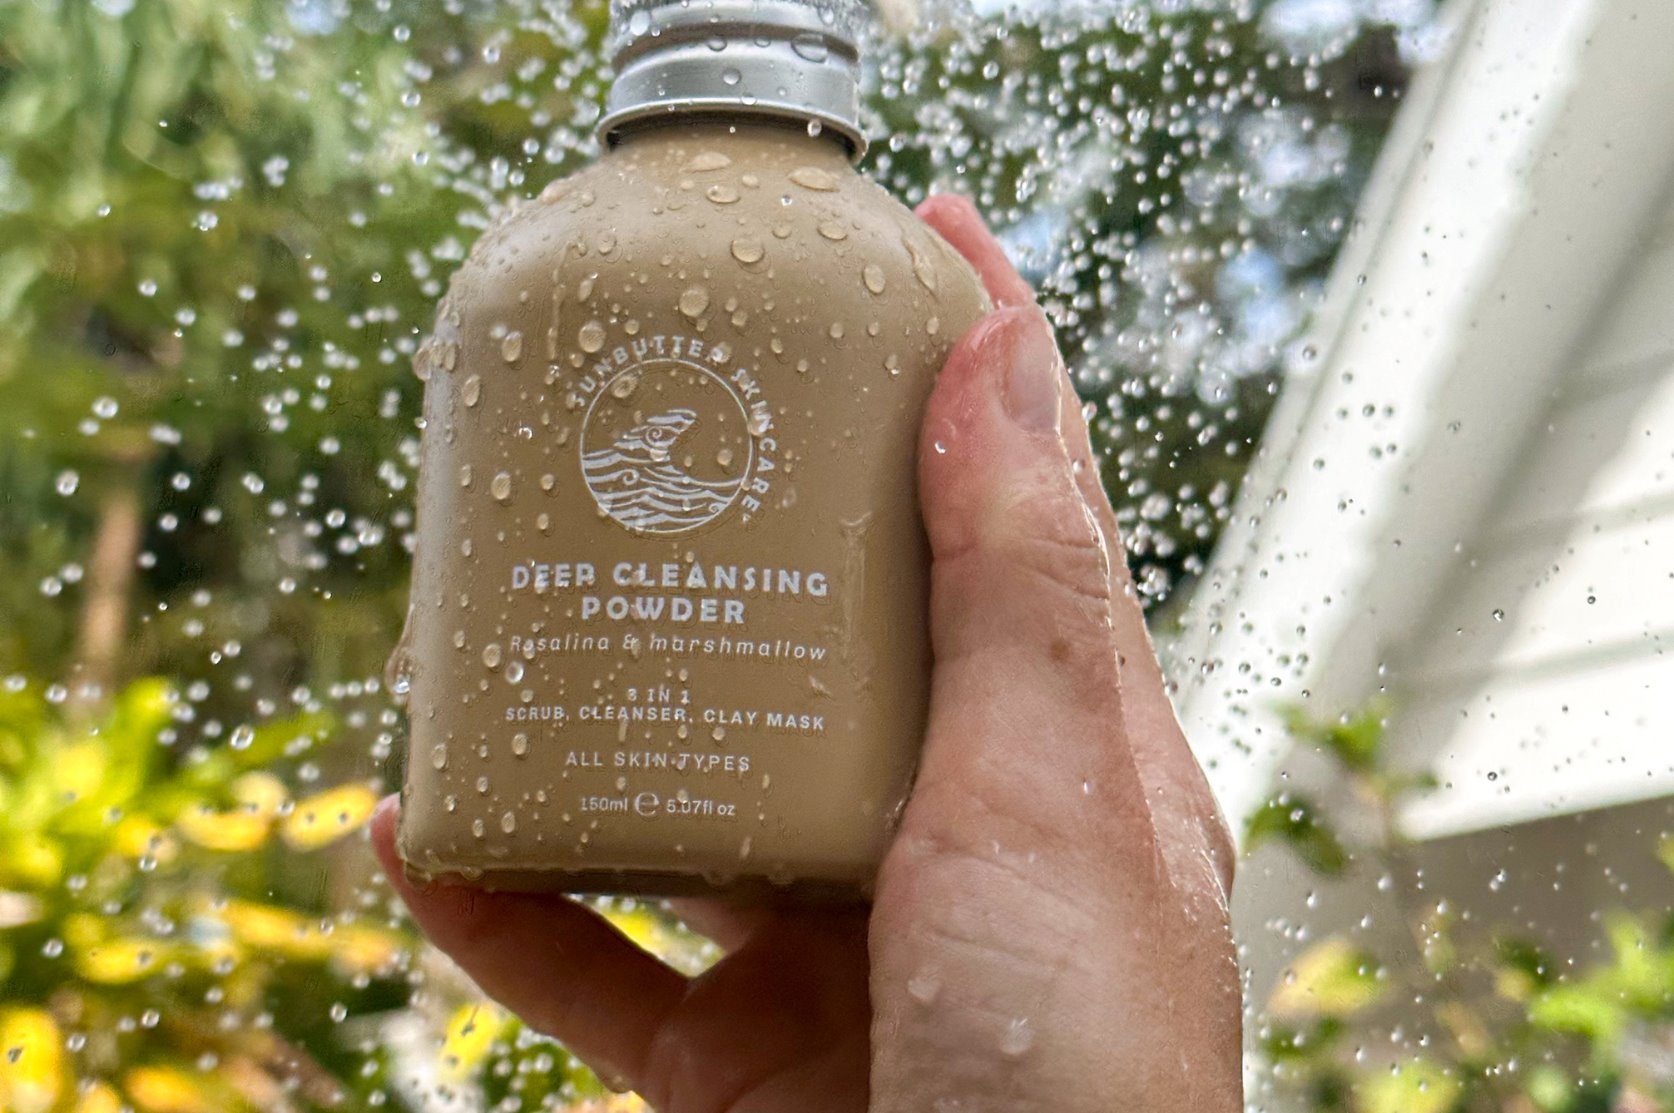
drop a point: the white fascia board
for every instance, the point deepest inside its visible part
(1484, 248)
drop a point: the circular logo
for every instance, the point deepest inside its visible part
(666, 446)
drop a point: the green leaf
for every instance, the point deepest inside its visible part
(1294, 821)
(1330, 979)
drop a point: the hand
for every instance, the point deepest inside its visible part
(1049, 930)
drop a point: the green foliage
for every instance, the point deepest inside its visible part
(140, 932)
(1509, 1028)
(1295, 822)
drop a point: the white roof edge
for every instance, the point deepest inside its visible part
(1535, 141)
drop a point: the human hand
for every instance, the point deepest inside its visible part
(1049, 929)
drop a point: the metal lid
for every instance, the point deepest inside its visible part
(798, 59)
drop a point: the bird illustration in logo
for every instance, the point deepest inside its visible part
(638, 483)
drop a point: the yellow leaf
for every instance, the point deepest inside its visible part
(166, 1090)
(365, 950)
(266, 927)
(32, 1062)
(98, 1098)
(260, 793)
(32, 860)
(120, 960)
(327, 817)
(226, 831)
(1416, 1087)
(470, 1035)
(1329, 979)
(138, 837)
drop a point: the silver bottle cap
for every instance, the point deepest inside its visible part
(795, 59)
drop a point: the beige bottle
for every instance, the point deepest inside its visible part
(667, 625)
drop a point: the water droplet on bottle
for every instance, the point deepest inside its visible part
(832, 230)
(706, 161)
(511, 348)
(724, 457)
(439, 756)
(520, 744)
(874, 278)
(811, 47)
(923, 270)
(470, 391)
(836, 331)
(508, 823)
(748, 251)
(591, 336)
(812, 177)
(694, 301)
(500, 486)
(731, 76)
(760, 422)
(639, 22)
(721, 194)
(491, 655)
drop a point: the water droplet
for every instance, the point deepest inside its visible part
(591, 336)
(874, 278)
(439, 756)
(832, 230)
(836, 331)
(721, 194)
(500, 486)
(811, 47)
(624, 386)
(760, 422)
(748, 251)
(242, 736)
(491, 655)
(511, 348)
(812, 177)
(508, 822)
(520, 744)
(470, 391)
(67, 483)
(705, 161)
(694, 301)
(922, 268)
(639, 22)
(1019, 1036)
(1499, 615)
(731, 76)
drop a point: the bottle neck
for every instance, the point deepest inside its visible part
(820, 142)
(788, 60)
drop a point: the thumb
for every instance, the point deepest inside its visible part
(1020, 569)
(1026, 745)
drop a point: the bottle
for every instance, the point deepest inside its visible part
(667, 629)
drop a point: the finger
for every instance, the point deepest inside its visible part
(960, 225)
(727, 924)
(1174, 779)
(1159, 746)
(560, 966)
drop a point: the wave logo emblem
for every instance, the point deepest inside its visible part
(665, 447)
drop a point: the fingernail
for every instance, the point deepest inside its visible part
(1033, 377)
